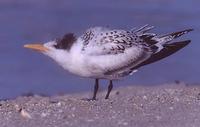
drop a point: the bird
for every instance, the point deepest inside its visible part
(111, 54)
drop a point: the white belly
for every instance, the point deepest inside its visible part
(96, 66)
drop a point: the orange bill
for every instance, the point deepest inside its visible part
(37, 47)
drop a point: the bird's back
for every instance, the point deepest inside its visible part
(112, 54)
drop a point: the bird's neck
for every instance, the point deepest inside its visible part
(61, 57)
(73, 61)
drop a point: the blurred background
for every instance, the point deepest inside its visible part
(24, 71)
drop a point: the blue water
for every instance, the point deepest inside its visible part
(26, 21)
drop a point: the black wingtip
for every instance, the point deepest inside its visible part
(191, 29)
(179, 33)
(178, 45)
(188, 30)
(168, 50)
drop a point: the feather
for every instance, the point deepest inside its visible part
(66, 41)
(168, 50)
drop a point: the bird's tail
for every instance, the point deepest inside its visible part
(168, 49)
(164, 46)
(160, 41)
(169, 37)
(156, 40)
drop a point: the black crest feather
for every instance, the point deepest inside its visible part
(66, 41)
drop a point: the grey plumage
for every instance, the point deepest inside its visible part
(104, 41)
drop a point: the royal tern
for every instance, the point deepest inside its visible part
(103, 53)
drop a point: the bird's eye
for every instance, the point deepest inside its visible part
(55, 45)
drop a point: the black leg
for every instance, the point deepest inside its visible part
(109, 89)
(96, 87)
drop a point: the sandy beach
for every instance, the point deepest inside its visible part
(167, 105)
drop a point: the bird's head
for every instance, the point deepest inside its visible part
(55, 48)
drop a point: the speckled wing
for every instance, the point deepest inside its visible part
(118, 52)
(115, 51)
(105, 42)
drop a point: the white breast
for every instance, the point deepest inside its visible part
(77, 63)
